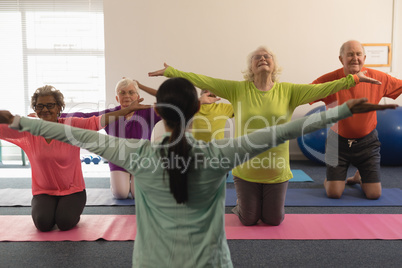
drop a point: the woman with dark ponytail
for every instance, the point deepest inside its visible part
(180, 221)
(177, 116)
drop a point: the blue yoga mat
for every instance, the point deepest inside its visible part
(352, 197)
(298, 176)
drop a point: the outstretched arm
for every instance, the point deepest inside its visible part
(220, 87)
(359, 106)
(113, 116)
(208, 98)
(6, 117)
(305, 93)
(317, 121)
(83, 115)
(116, 150)
(148, 90)
(269, 137)
(159, 72)
(364, 79)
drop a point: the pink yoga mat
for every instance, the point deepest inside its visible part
(90, 228)
(295, 226)
(320, 226)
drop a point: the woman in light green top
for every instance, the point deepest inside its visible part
(180, 182)
(261, 101)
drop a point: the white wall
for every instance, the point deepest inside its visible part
(214, 37)
(397, 40)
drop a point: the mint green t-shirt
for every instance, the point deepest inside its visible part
(181, 235)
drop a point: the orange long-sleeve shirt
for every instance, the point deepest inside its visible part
(359, 125)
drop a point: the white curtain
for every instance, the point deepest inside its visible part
(52, 42)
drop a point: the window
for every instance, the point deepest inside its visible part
(52, 42)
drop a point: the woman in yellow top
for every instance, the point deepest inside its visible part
(210, 120)
(260, 101)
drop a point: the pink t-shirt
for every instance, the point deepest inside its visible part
(56, 166)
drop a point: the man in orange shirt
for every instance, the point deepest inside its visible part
(354, 140)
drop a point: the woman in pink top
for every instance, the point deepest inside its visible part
(58, 185)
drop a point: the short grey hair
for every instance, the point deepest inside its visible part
(48, 90)
(125, 82)
(249, 75)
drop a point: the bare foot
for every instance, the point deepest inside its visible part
(356, 179)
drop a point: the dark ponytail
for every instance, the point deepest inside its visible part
(177, 103)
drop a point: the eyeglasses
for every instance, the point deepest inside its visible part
(39, 107)
(266, 56)
(131, 93)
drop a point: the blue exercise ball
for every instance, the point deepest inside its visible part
(389, 127)
(312, 144)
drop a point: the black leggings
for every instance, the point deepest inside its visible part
(65, 211)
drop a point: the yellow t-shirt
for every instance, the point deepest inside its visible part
(210, 121)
